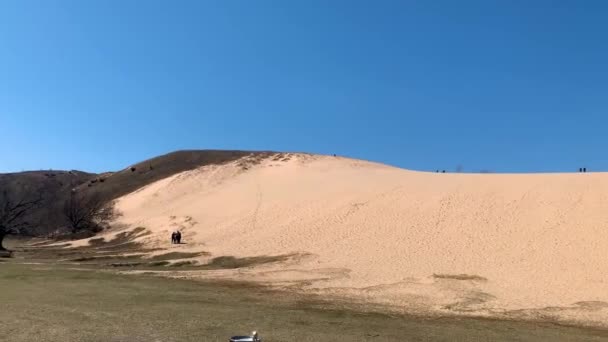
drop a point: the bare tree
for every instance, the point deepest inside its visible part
(13, 211)
(87, 213)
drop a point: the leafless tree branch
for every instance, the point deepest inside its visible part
(12, 212)
(88, 213)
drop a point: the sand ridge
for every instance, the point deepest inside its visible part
(529, 246)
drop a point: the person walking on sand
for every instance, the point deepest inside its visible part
(178, 237)
(173, 237)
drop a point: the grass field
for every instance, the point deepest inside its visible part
(47, 302)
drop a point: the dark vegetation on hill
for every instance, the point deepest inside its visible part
(55, 188)
(51, 187)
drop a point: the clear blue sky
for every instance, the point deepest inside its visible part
(509, 86)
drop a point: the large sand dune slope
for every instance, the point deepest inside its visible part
(524, 246)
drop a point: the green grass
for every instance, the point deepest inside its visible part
(50, 302)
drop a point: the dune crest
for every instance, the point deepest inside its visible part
(519, 246)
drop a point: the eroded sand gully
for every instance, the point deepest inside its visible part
(521, 246)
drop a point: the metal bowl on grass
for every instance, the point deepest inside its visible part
(241, 339)
(254, 337)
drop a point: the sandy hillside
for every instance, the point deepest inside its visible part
(533, 246)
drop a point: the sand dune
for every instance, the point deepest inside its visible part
(532, 246)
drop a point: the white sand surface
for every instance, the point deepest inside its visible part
(530, 245)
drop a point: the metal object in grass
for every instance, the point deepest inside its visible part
(253, 338)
